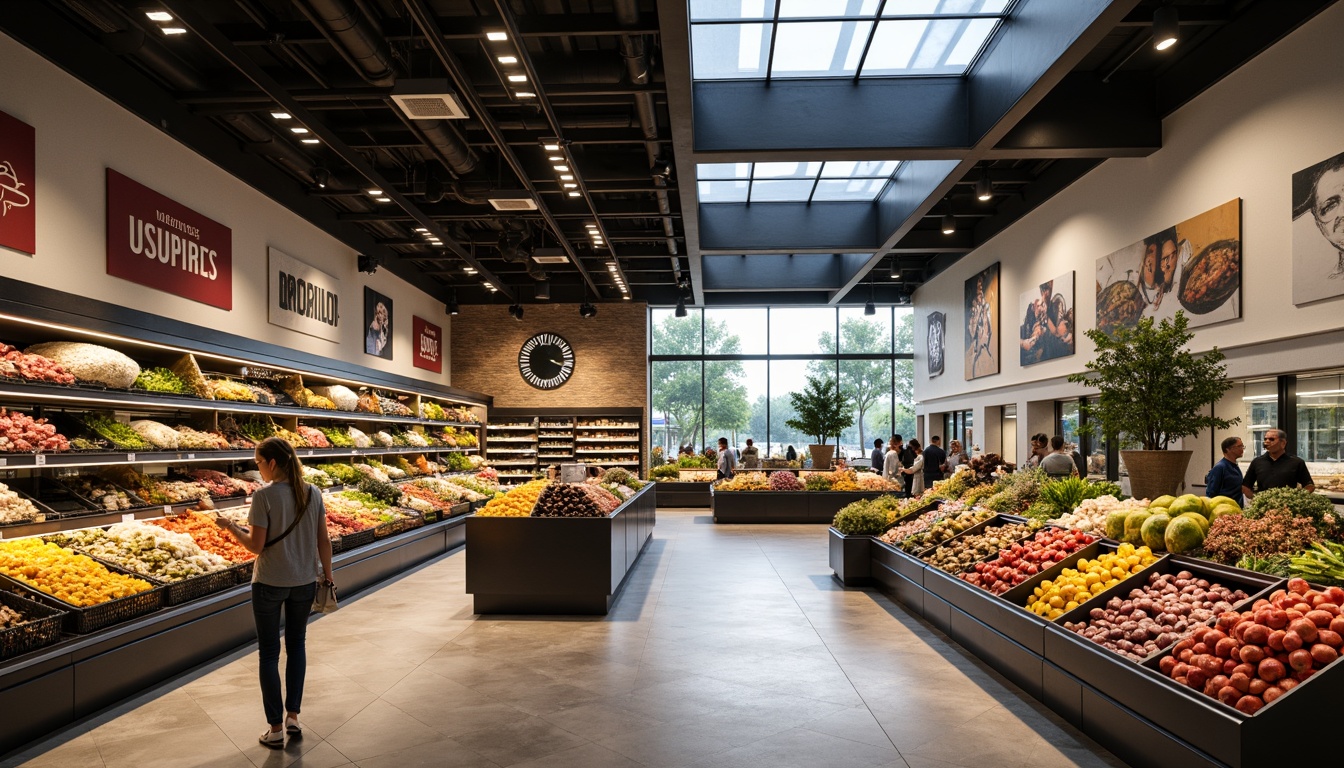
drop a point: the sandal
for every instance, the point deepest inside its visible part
(272, 739)
(293, 727)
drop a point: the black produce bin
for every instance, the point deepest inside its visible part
(850, 558)
(41, 628)
(81, 621)
(980, 527)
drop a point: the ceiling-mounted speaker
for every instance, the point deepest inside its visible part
(543, 290)
(428, 99)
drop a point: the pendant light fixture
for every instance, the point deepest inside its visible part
(1166, 27)
(870, 309)
(949, 221)
(984, 188)
(452, 303)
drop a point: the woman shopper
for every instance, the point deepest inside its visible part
(915, 470)
(956, 456)
(288, 533)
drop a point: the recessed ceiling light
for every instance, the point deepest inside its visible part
(421, 229)
(550, 147)
(281, 115)
(566, 177)
(573, 194)
(374, 191)
(571, 186)
(469, 270)
(508, 59)
(611, 267)
(384, 199)
(311, 141)
(298, 129)
(496, 35)
(174, 31)
(556, 158)
(561, 168)
(159, 15)
(517, 78)
(525, 95)
(590, 226)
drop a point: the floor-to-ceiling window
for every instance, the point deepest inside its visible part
(728, 372)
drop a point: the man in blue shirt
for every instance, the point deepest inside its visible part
(878, 454)
(1225, 477)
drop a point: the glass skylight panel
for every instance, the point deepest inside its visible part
(786, 170)
(833, 190)
(805, 182)
(943, 7)
(781, 190)
(820, 48)
(723, 191)
(716, 10)
(729, 51)
(827, 9)
(845, 169)
(723, 171)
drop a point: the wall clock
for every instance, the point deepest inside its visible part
(546, 361)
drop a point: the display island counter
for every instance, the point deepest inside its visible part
(557, 565)
(784, 506)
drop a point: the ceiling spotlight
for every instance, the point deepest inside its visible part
(895, 272)
(159, 15)
(681, 308)
(320, 176)
(566, 177)
(661, 169)
(570, 185)
(496, 35)
(281, 115)
(367, 264)
(310, 141)
(543, 290)
(374, 191)
(590, 226)
(556, 158)
(517, 78)
(507, 59)
(383, 199)
(516, 311)
(562, 168)
(587, 310)
(984, 188)
(174, 31)
(525, 94)
(949, 224)
(421, 229)
(551, 145)
(451, 306)
(1166, 27)
(574, 194)
(298, 129)
(869, 309)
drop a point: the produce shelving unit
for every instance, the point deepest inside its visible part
(511, 447)
(607, 437)
(1130, 708)
(557, 565)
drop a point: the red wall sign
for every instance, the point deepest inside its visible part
(158, 242)
(428, 344)
(18, 185)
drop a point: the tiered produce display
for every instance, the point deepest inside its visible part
(145, 549)
(1025, 559)
(69, 577)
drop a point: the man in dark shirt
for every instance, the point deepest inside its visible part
(934, 459)
(1225, 477)
(1275, 468)
(876, 460)
(907, 456)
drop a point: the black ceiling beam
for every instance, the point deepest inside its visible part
(776, 272)
(188, 13)
(1084, 117)
(923, 241)
(1053, 181)
(787, 227)
(1258, 27)
(463, 28)
(50, 35)
(1190, 15)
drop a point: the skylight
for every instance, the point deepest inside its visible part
(764, 39)
(847, 181)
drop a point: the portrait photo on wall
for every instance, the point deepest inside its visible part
(1047, 327)
(1193, 266)
(982, 323)
(377, 324)
(936, 340)
(1318, 231)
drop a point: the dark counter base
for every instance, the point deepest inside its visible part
(850, 559)
(684, 495)
(42, 692)
(784, 506)
(550, 565)
(1190, 729)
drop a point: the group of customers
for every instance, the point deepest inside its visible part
(914, 466)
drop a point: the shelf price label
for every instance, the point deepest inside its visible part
(128, 517)
(167, 509)
(4, 462)
(40, 459)
(191, 456)
(130, 457)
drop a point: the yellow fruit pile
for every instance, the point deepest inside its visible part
(1090, 578)
(516, 503)
(66, 576)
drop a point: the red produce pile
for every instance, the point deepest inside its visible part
(32, 367)
(1026, 559)
(314, 437)
(21, 433)
(785, 481)
(424, 494)
(339, 524)
(220, 485)
(1249, 659)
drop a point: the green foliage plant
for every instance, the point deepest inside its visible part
(860, 519)
(1298, 502)
(823, 409)
(1153, 388)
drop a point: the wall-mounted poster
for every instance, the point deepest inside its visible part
(377, 324)
(1318, 231)
(303, 298)
(1047, 326)
(427, 349)
(18, 177)
(1194, 266)
(982, 323)
(936, 340)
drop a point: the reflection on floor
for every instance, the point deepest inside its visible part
(731, 646)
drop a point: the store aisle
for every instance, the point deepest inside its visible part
(732, 646)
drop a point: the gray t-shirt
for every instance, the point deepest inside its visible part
(293, 561)
(1058, 465)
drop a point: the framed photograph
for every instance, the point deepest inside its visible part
(982, 323)
(377, 324)
(936, 339)
(1046, 328)
(1318, 231)
(1193, 266)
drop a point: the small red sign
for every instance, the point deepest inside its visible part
(18, 185)
(428, 344)
(158, 242)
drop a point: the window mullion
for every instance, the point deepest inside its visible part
(872, 32)
(770, 57)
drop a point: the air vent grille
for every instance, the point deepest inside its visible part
(513, 204)
(430, 106)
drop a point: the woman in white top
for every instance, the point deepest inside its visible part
(891, 464)
(916, 470)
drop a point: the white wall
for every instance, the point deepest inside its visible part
(80, 133)
(1243, 138)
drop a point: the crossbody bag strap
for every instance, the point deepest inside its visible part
(290, 529)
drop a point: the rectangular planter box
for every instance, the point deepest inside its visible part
(551, 565)
(684, 494)
(851, 558)
(783, 506)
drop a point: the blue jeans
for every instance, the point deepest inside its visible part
(266, 604)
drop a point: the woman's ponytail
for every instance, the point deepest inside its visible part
(287, 462)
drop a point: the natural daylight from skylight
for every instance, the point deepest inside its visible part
(848, 181)
(760, 39)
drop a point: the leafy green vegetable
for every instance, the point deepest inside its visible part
(860, 518)
(120, 435)
(161, 380)
(387, 493)
(1299, 503)
(1274, 565)
(338, 438)
(1322, 564)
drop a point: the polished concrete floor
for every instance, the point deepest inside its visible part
(731, 646)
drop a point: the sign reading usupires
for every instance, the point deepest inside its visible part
(155, 241)
(428, 344)
(18, 171)
(303, 298)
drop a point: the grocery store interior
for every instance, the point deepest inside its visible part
(507, 274)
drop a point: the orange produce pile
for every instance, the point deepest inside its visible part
(207, 535)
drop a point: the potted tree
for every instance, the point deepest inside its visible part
(823, 410)
(1154, 390)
